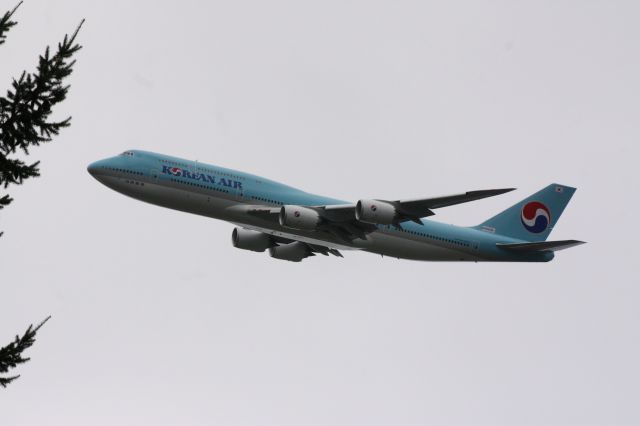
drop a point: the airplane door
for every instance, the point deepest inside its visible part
(475, 245)
(240, 194)
(154, 174)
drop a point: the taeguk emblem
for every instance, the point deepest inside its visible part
(176, 171)
(296, 213)
(535, 217)
(373, 207)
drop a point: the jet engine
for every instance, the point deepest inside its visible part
(376, 212)
(293, 252)
(297, 217)
(246, 239)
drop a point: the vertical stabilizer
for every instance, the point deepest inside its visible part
(533, 218)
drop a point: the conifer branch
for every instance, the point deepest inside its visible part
(11, 355)
(6, 23)
(26, 108)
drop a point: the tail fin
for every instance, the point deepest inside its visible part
(533, 218)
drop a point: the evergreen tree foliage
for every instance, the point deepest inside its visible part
(25, 110)
(11, 355)
(24, 123)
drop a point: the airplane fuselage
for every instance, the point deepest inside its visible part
(226, 194)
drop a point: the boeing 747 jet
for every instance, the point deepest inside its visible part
(292, 224)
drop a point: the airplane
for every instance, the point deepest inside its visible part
(293, 225)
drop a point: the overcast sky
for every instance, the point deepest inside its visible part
(158, 320)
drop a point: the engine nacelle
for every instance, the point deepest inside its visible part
(246, 239)
(293, 252)
(297, 217)
(376, 212)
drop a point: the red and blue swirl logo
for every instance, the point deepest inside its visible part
(535, 217)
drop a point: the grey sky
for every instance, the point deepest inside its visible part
(158, 320)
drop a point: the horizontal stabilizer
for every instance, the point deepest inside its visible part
(541, 246)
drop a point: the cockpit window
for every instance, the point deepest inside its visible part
(127, 153)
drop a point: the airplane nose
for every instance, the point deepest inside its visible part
(97, 168)
(92, 168)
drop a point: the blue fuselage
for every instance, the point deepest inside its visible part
(226, 194)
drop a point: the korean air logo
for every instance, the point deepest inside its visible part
(535, 217)
(176, 171)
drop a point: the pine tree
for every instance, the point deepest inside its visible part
(24, 123)
(11, 355)
(25, 111)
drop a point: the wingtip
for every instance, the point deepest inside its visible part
(499, 191)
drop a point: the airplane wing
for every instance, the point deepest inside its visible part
(338, 220)
(311, 249)
(414, 209)
(342, 220)
(421, 207)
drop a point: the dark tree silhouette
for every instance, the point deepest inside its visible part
(11, 355)
(24, 123)
(25, 111)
